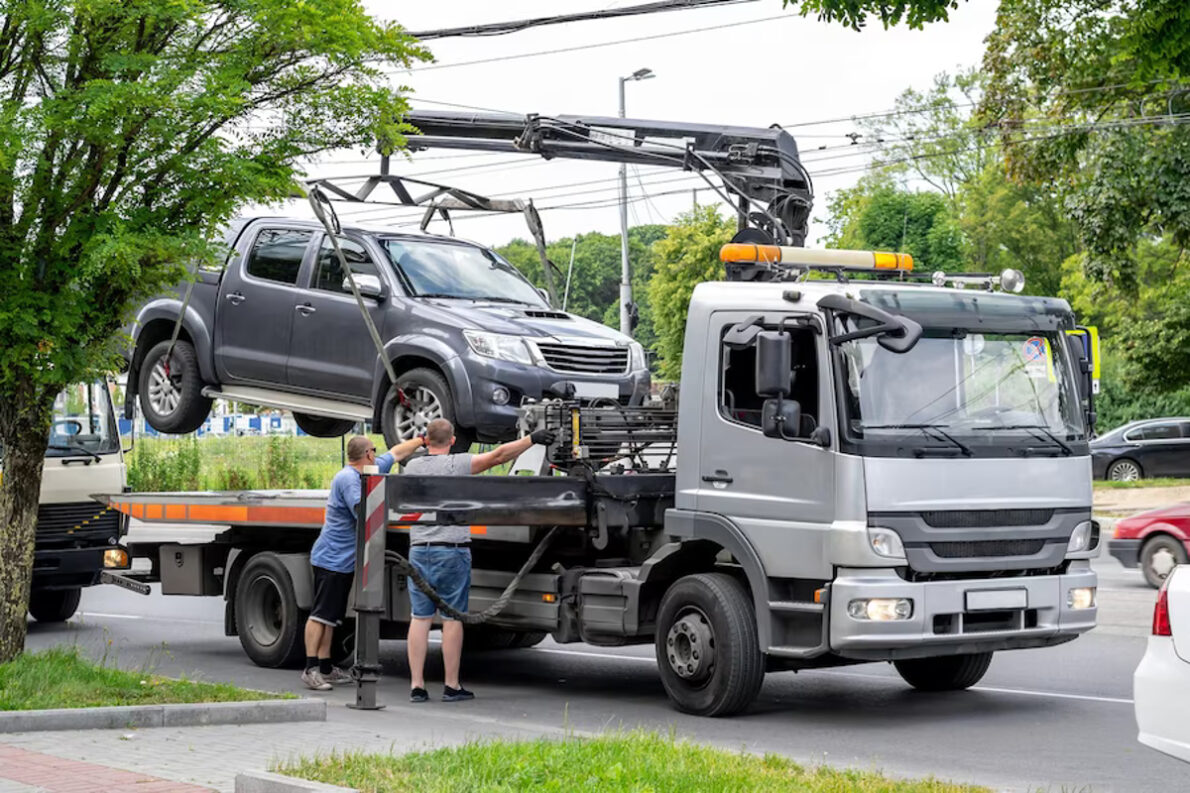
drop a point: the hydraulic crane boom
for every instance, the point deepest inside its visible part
(760, 167)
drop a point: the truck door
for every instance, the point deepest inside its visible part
(256, 306)
(779, 492)
(330, 349)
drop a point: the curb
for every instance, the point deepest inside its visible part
(267, 782)
(185, 715)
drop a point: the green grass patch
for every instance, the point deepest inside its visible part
(61, 678)
(1101, 484)
(636, 761)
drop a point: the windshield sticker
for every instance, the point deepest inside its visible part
(1038, 358)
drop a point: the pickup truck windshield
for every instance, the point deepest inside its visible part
(454, 270)
(83, 423)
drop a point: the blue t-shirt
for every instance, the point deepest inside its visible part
(335, 547)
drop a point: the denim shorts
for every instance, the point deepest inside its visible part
(447, 570)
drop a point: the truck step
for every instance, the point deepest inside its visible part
(314, 406)
(795, 606)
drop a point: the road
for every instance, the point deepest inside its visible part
(1055, 719)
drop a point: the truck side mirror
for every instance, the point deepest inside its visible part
(1082, 366)
(781, 418)
(774, 364)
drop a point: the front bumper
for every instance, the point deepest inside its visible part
(1160, 689)
(70, 568)
(1127, 551)
(942, 624)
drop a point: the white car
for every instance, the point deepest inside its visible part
(1161, 684)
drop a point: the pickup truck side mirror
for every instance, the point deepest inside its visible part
(369, 286)
(781, 418)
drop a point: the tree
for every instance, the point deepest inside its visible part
(130, 129)
(685, 257)
(854, 13)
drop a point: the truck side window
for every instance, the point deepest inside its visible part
(738, 400)
(277, 254)
(330, 275)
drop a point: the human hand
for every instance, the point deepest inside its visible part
(543, 436)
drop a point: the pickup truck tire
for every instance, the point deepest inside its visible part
(321, 426)
(708, 651)
(54, 605)
(268, 620)
(945, 673)
(172, 402)
(430, 398)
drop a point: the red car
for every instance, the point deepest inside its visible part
(1155, 541)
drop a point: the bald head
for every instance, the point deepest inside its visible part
(358, 448)
(439, 433)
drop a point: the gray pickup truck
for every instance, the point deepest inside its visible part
(469, 337)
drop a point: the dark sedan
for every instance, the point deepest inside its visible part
(1140, 449)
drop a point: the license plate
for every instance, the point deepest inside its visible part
(997, 599)
(595, 390)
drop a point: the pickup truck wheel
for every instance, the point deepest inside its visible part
(268, 620)
(54, 605)
(1158, 557)
(427, 397)
(944, 673)
(708, 651)
(321, 426)
(171, 392)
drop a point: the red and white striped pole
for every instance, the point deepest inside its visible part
(370, 545)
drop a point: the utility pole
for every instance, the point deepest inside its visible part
(625, 265)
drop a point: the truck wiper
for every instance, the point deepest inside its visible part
(1066, 450)
(70, 447)
(925, 429)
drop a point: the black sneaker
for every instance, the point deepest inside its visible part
(456, 694)
(418, 695)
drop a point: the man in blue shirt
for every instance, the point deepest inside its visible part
(333, 557)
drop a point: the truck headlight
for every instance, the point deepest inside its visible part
(498, 345)
(637, 360)
(115, 557)
(1082, 597)
(886, 542)
(880, 609)
(1083, 538)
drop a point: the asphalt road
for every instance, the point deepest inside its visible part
(1057, 719)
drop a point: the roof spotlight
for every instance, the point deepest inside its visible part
(1012, 280)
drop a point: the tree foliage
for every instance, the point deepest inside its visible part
(128, 130)
(854, 13)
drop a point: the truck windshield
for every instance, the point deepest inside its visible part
(84, 422)
(455, 270)
(985, 394)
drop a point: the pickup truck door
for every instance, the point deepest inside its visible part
(330, 349)
(254, 315)
(780, 493)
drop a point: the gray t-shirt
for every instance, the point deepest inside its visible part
(439, 465)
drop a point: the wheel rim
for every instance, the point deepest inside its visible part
(1162, 562)
(165, 388)
(265, 612)
(690, 646)
(1125, 471)
(422, 408)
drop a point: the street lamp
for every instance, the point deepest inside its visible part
(625, 267)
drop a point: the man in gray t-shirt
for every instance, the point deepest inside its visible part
(442, 554)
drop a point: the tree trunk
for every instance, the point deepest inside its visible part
(25, 412)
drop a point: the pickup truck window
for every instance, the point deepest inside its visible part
(738, 400)
(466, 272)
(330, 275)
(277, 254)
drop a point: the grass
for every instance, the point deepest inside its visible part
(61, 678)
(634, 761)
(1101, 484)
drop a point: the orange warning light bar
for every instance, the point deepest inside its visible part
(745, 253)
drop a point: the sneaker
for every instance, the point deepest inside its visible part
(456, 694)
(418, 695)
(338, 677)
(314, 680)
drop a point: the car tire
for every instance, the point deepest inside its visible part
(54, 605)
(172, 402)
(708, 652)
(1124, 470)
(321, 426)
(268, 620)
(430, 398)
(944, 673)
(1158, 556)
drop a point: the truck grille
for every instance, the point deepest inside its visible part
(581, 359)
(983, 518)
(977, 549)
(58, 522)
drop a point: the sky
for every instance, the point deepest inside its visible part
(750, 64)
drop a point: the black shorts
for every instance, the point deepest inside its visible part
(331, 591)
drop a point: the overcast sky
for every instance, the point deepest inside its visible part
(759, 65)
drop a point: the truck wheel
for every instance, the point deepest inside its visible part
(268, 620)
(321, 426)
(707, 648)
(171, 396)
(479, 638)
(529, 638)
(54, 605)
(427, 397)
(944, 673)
(1158, 557)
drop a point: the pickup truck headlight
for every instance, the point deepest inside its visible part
(637, 360)
(498, 345)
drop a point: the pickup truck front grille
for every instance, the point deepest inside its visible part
(583, 359)
(59, 523)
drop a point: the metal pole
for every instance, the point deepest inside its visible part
(569, 271)
(625, 266)
(370, 545)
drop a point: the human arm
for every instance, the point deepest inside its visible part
(405, 449)
(508, 452)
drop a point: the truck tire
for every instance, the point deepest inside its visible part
(529, 638)
(708, 651)
(268, 620)
(1158, 556)
(321, 426)
(54, 605)
(429, 398)
(172, 401)
(944, 673)
(479, 638)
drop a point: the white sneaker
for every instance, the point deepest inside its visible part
(314, 680)
(338, 677)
